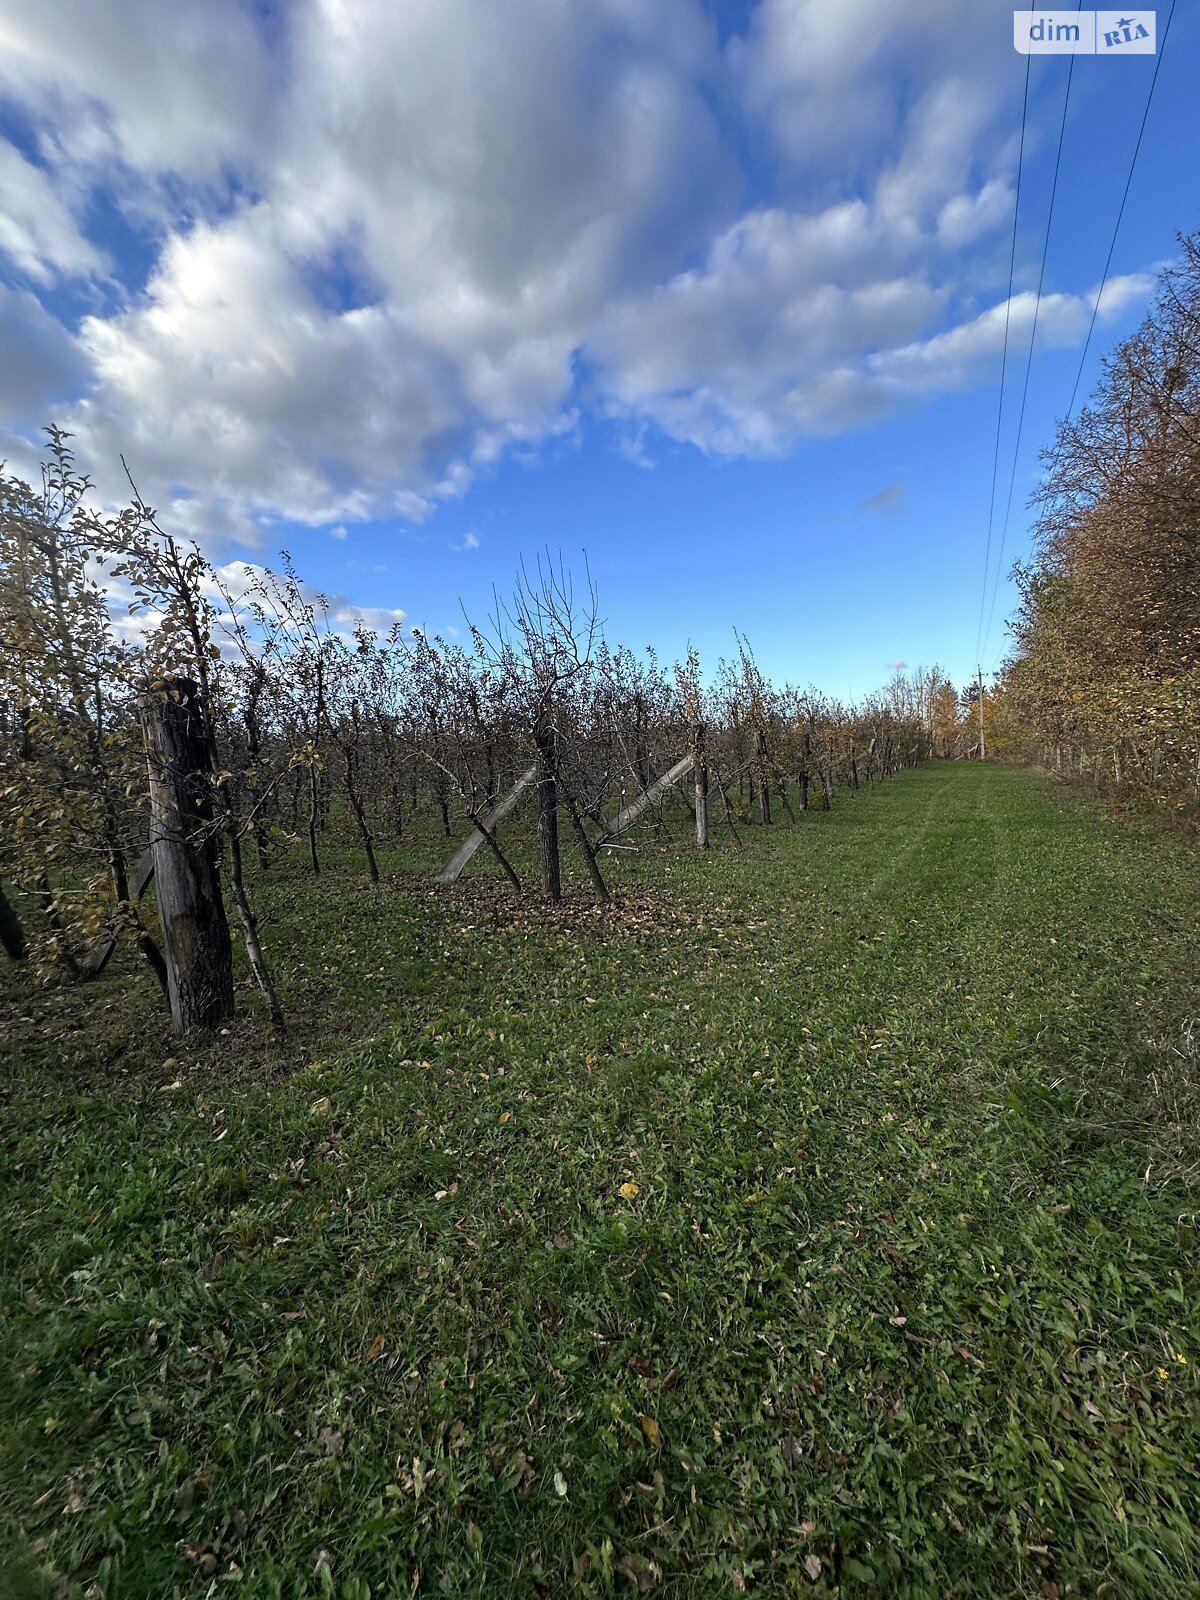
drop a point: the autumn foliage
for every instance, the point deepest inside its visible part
(1105, 681)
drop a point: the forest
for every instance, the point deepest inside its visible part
(1103, 682)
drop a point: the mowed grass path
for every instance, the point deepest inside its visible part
(757, 1239)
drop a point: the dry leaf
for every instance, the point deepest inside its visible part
(321, 1107)
(652, 1431)
(629, 1190)
(375, 1348)
(812, 1565)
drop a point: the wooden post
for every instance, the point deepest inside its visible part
(184, 844)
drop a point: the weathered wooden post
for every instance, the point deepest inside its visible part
(184, 844)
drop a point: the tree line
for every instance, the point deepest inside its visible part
(1104, 681)
(163, 720)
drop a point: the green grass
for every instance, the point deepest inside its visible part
(888, 1312)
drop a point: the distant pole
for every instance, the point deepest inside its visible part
(982, 749)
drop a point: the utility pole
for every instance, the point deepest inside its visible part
(982, 750)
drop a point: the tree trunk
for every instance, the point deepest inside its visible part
(700, 767)
(585, 844)
(484, 827)
(364, 833)
(313, 808)
(12, 935)
(547, 747)
(183, 838)
(249, 922)
(764, 783)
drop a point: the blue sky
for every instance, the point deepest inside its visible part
(714, 292)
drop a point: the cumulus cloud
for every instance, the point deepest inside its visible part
(238, 580)
(38, 232)
(391, 244)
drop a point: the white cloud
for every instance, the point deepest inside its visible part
(159, 86)
(38, 233)
(238, 579)
(968, 352)
(394, 243)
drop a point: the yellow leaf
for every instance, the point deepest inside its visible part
(321, 1107)
(504, 1116)
(375, 1349)
(651, 1429)
(629, 1190)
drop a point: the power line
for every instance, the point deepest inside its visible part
(1121, 210)
(1012, 264)
(1160, 52)
(1037, 307)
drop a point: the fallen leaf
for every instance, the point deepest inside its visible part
(560, 1485)
(375, 1348)
(1093, 1409)
(812, 1565)
(332, 1440)
(629, 1190)
(93, 1422)
(652, 1431)
(321, 1107)
(641, 1573)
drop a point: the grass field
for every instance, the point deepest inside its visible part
(766, 1236)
